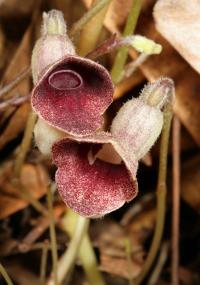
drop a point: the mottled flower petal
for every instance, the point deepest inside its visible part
(92, 190)
(73, 94)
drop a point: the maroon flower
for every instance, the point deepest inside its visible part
(73, 94)
(95, 188)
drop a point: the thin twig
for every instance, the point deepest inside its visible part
(53, 236)
(176, 201)
(105, 47)
(5, 275)
(122, 54)
(41, 227)
(161, 262)
(7, 88)
(28, 196)
(14, 101)
(161, 195)
(132, 66)
(99, 5)
(67, 260)
(43, 264)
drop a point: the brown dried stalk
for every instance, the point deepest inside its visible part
(7, 88)
(52, 231)
(14, 101)
(175, 201)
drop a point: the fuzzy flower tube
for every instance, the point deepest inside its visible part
(70, 98)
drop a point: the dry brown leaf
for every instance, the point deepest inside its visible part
(190, 183)
(16, 125)
(11, 8)
(178, 21)
(188, 277)
(19, 62)
(119, 266)
(20, 274)
(33, 178)
(113, 258)
(116, 15)
(143, 225)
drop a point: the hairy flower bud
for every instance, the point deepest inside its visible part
(139, 122)
(53, 45)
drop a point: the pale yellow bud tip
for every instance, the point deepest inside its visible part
(53, 23)
(158, 93)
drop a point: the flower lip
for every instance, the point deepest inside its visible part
(60, 107)
(65, 80)
(92, 190)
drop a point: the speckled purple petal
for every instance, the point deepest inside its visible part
(73, 94)
(91, 190)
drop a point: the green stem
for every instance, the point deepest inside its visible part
(43, 264)
(53, 236)
(122, 54)
(99, 5)
(67, 261)
(5, 275)
(25, 145)
(161, 195)
(24, 148)
(127, 244)
(88, 261)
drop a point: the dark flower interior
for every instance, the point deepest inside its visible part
(73, 95)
